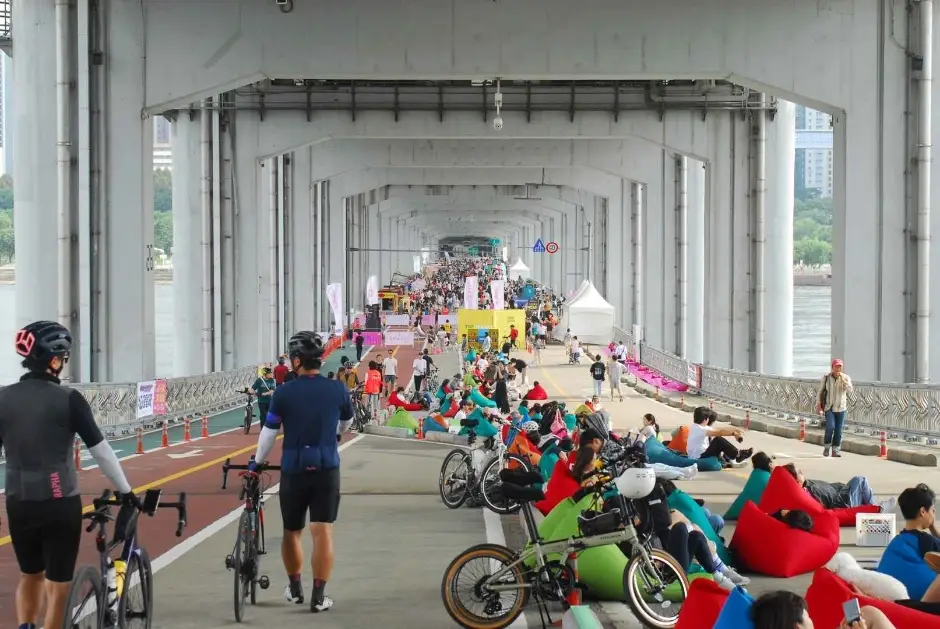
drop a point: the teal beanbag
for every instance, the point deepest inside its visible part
(753, 490)
(484, 429)
(686, 505)
(658, 453)
(571, 422)
(429, 425)
(480, 400)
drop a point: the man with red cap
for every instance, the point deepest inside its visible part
(832, 401)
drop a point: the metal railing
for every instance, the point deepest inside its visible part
(908, 411)
(6, 26)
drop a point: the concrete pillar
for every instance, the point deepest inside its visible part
(778, 248)
(682, 246)
(130, 350)
(336, 248)
(638, 207)
(187, 244)
(302, 234)
(374, 238)
(695, 262)
(34, 165)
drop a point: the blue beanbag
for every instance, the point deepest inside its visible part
(658, 453)
(686, 505)
(902, 560)
(736, 612)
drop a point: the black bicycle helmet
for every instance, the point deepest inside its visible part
(305, 344)
(43, 340)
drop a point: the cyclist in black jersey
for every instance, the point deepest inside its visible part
(314, 412)
(38, 423)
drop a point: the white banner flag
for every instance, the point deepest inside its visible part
(334, 294)
(498, 293)
(372, 290)
(471, 299)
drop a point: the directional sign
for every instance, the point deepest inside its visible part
(495, 242)
(473, 251)
(552, 247)
(185, 455)
(538, 247)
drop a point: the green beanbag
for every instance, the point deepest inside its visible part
(658, 453)
(753, 490)
(480, 400)
(686, 505)
(402, 419)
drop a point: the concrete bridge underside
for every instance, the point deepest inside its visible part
(300, 135)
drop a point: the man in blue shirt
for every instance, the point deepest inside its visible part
(314, 412)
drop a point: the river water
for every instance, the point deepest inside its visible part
(811, 323)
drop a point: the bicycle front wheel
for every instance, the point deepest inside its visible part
(472, 604)
(239, 565)
(85, 605)
(655, 588)
(491, 485)
(249, 417)
(135, 609)
(454, 480)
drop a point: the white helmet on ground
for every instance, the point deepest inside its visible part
(636, 482)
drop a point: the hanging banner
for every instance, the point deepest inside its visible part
(151, 398)
(471, 298)
(398, 337)
(498, 293)
(398, 320)
(372, 290)
(334, 295)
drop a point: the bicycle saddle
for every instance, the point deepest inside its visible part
(522, 494)
(522, 478)
(469, 423)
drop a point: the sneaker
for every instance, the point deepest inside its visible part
(888, 505)
(723, 581)
(836, 454)
(699, 502)
(294, 593)
(744, 455)
(734, 577)
(688, 473)
(737, 464)
(322, 605)
(825, 452)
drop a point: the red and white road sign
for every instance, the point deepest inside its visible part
(551, 247)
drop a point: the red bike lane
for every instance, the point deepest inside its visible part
(194, 468)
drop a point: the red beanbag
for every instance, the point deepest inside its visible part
(768, 546)
(702, 606)
(826, 594)
(561, 485)
(846, 516)
(783, 492)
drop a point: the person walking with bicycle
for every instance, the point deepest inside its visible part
(310, 477)
(263, 389)
(38, 423)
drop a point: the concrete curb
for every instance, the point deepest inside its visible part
(782, 428)
(386, 431)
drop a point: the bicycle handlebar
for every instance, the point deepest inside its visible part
(106, 501)
(228, 465)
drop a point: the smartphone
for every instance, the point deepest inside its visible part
(152, 500)
(852, 611)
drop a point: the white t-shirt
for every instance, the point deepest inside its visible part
(420, 366)
(620, 352)
(390, 365)
(483, 364)
(455, 422)
(698, 440)
(649, 432)
(575, 345)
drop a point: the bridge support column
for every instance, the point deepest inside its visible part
(695, 262)
(682, 256)
(301, 286)
(638, 224)
(778, 248)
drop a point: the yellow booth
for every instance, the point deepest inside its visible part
(495, 322)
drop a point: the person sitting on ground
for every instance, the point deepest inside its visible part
(586, 458)
(536, 392)
(795, 519)
(707, 440)
(650, 429)
(466, 407)
(855, 493)
(786, 610)
(553, 450)
(762, 461)
(397, 399)
(526, 443)
(444, 389)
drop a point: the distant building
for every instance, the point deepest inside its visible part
(6, 114)
(814, 166)
(162, 152)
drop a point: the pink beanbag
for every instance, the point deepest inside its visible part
(770, 547)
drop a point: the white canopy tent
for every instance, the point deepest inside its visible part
(580, 289)
(589, 316)
(519, 271)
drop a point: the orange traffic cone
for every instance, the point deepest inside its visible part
(78, 454)
(574, 596)
(802, 430)
(883, 452)
(657, 393)
(747, 419)
(186, 435)
(419, 433)
(140, 440)
(205, 427)
(165, 437)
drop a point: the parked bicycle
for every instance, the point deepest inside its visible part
(362, 416)
(432, 383)
(119, 590)
(474, 473)
(503, 579)
(249, 538)
(249, 409)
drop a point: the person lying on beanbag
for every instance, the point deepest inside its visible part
(795, 519)
(397, 400)
(855, 493)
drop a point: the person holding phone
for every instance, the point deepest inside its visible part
(787, 610)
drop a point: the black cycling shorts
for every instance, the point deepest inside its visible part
(314, 493)
(46, 535)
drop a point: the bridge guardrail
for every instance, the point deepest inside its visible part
(909, 411)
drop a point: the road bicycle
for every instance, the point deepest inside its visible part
(474, 473)
(651, 577)
(362, 416)
(432, 383)
(249, 410)
(249, 538)
(119, 590)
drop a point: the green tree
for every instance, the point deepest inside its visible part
(6, 192)
(162, 190)
(812, 251)
(163, 231)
